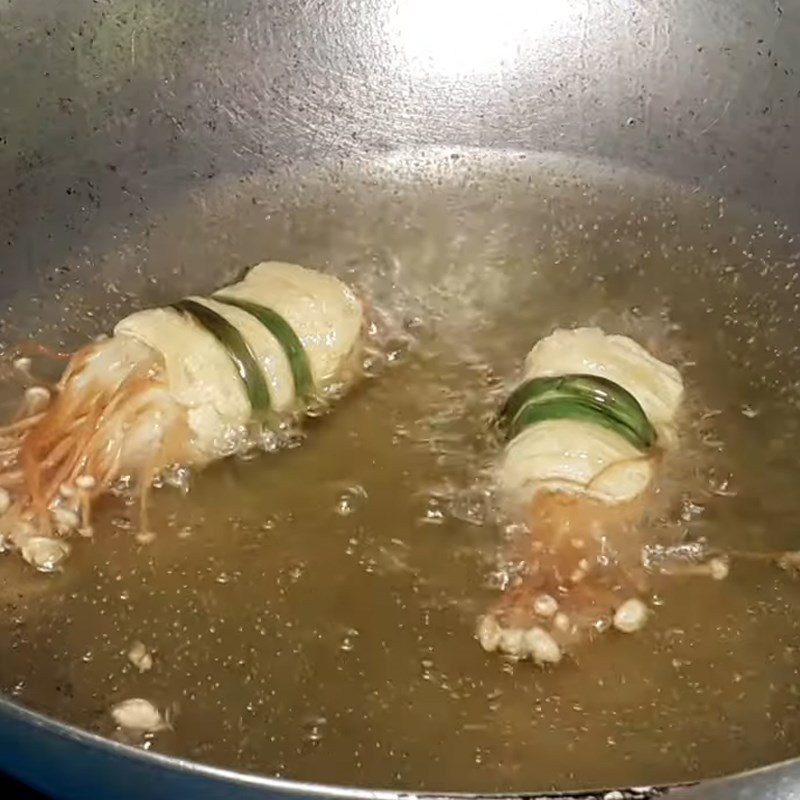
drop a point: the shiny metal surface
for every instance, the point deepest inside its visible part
(779, 782)
(110, 107)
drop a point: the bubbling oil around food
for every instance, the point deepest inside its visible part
(310, 613)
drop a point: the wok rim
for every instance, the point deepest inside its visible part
(297, 788)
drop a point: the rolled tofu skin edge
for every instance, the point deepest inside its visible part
(574, 458)
(324, 312)
(657, 386)
(578, 457)
(200, 374)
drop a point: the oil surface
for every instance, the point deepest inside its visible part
(311, 611)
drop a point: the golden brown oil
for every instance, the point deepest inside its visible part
(312, 611)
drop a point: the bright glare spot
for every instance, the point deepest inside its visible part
(456, 37)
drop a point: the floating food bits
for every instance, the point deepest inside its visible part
(202, 379)
(534, 643)
(719, 568)
(631, 616)
(138, 716)
(36, 398)
(45, 553)
(545, 605)
(584, 433)
(542, 646)
(488, 633)
(140, 656)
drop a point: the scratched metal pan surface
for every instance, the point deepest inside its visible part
(112, 112)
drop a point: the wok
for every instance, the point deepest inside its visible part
(110, 108)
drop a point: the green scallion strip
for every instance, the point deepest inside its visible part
(287, 339)
(588, 398)
(238, 349)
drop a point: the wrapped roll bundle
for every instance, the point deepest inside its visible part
(585, 432)
(181, 385)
